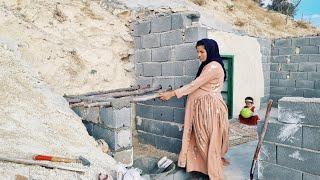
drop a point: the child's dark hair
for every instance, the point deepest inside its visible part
(249, 99)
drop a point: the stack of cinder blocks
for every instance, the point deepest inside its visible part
(165, 54)
(291, 149)
(113, 125)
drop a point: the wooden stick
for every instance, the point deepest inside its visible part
(105, 97)
(51, 166)
(132, 88)
(109, 104)
(264, 130)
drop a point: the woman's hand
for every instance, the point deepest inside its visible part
(166, 95)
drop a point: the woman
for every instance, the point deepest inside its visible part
(205, 134)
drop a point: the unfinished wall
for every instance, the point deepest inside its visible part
(292, 147)
(295, 68)
(251, 66)
(113, 125)
(165, 54)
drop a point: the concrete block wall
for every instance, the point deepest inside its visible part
(165, 54)
(113, 126)
(291, 147)
(295, 67)
(265, 50)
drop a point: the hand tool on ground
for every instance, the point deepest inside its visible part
(263, 133)
(162, 165)
(51, 166)
(81, 159)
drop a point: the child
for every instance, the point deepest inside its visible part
(253, 119)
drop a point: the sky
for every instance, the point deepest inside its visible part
(308, 10)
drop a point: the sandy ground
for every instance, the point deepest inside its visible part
(33, 120)
(76, 46)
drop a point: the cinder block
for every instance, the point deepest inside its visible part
(299, 58)
(274, 51)
(165, 82)
(299, 75)
(172, 69)
(116, 118)
(142, 28)
(150, 41)
(153, 126)
(193, 34)
(282, 43)
(317, 84)
(287, 82)
(294, 92)
(142, 55)
(278, 90)
(268, 152)
(311, 138)
(181, 81)
(275, 67)
(144, 81)
(311, 93)
(180, 21)
(191, 67)
(280, 59)
(275, 172)
(116, 139)
(137, 43)
(172, 130)
(315, 41)
(265, 51)
(161, 24)
(290, 67)
(185, 52)
(307, 67)
(90, 114)
(302, 160)
(178, 115)
(171, 38)
(265, 59)
(89, 127)
(274, 82)
(173, 102)
(286, 51)
(299, 110)
(144, 111)
(313, 76)
(305, 84)
(146, 138)
(264, 42)
(163, 113)
(139, 69)
(265, 67)
(124, 156)
(289, 134)
(307, 176)
(161, 54)
(168, 144)
(301, 41)
(309, 50)
(151, 69)
(314, 58)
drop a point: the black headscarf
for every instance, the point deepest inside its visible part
(213, 54)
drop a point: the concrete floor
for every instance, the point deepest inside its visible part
(241, 158)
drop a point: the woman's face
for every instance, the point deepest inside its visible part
(202, 53)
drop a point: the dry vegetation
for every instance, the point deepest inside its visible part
(248, 16)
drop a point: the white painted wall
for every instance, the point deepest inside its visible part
(248, 75)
